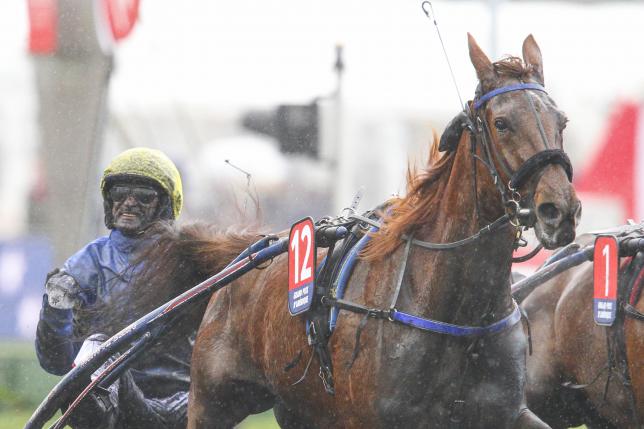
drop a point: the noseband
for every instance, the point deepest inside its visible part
(480, 132)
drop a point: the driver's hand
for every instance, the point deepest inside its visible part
(62, 291)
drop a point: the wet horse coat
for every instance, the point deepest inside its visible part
(404, 376)
(569, 348)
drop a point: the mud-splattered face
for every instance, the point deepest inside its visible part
(134, 207)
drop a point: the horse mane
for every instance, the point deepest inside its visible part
(418, 207)
(181, 256)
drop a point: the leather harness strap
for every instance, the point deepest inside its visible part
(619, 335)
(517, 87)
(632, 312)
(494, 226)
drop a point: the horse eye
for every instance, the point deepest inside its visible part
(500, 124)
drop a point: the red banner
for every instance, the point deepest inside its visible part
(122, 15)
(43, 24)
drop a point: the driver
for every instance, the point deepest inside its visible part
(139, 187)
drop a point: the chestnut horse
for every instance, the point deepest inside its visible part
(403, 376)
(579, 372)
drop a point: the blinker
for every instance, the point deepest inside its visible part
(452, 134)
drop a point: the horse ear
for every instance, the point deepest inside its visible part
(532, 56)
(482, 64)
(452, 134)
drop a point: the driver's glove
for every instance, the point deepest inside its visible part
(62, 291)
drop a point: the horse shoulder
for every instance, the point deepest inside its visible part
(634, 337)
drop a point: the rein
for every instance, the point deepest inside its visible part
(494, 226)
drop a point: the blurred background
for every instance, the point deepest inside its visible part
(300, 103)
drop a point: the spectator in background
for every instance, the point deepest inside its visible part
(140, 187)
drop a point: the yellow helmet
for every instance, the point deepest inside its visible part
(150, 165)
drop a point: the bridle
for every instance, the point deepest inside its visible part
(478, 127)
(473, 120)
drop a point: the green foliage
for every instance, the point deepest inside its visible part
(13, 419)
(16, 419)
(23, 384)
(259, 421)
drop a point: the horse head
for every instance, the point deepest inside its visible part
(520, 129)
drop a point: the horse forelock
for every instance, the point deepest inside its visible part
(513, 67)
(417, 207)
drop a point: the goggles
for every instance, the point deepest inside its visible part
(143, 195)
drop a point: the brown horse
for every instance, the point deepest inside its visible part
(404, 376)
(578, 371)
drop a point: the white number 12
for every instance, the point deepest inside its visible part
(304, 271)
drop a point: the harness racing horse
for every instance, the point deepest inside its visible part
(447, 350)
(579, 372)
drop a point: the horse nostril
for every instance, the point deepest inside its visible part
(549, 213)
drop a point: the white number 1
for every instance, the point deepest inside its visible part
(606, 253)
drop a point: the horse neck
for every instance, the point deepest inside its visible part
(472, 281)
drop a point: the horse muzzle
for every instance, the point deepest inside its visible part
(556, 223)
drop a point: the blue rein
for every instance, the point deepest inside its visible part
(519, 86)
(417, 321)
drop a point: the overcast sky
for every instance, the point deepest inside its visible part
(228, 55)
(261, 52)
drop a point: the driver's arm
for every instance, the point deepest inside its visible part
(55, 343)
